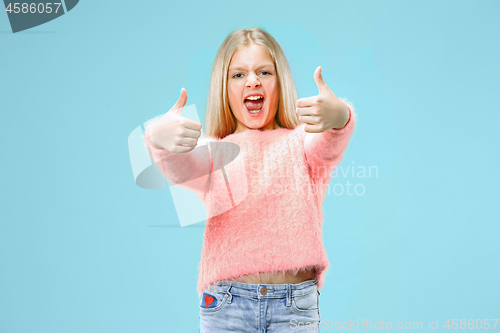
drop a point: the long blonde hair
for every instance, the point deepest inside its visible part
(219, 119)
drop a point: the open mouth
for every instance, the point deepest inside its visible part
(254, 104)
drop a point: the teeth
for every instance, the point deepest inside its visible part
(253, 98)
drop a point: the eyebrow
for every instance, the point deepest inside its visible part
(242, 69)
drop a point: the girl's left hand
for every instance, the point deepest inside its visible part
(324, 111)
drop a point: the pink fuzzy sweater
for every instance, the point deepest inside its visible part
(271, 218)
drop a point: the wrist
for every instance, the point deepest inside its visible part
(344, 119)
(152, 135)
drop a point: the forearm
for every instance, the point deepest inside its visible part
(325, 150)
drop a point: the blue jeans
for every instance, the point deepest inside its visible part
(265, 308)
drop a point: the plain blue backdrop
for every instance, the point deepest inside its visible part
(84, 249)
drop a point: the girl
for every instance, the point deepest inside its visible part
(263, 260)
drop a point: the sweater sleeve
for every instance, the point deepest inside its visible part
(325, 150)
(190, 170)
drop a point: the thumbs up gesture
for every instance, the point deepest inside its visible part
(174, 132)
(323, 111)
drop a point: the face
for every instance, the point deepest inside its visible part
(253, 90)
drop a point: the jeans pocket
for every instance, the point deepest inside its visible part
(307, 302)
(212, 301)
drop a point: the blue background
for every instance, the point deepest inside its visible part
(84, 249)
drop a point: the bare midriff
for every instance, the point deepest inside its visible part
(278, 278)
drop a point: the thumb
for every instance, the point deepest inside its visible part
(177, 108)
(318, 78)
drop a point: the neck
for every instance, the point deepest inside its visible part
(270, 126)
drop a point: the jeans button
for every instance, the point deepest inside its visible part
(263, 291)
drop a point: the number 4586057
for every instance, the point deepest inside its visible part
(32, 8)
(470, 324)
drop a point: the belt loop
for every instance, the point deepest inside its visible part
(288, 295)
(230, 296)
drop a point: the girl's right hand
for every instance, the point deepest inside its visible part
(174, 132)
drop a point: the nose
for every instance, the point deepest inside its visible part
(253, 81)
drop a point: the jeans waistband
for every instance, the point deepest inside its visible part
(265, 290)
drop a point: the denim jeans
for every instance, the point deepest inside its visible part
(240, 307)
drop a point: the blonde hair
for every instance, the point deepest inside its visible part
(219, 119)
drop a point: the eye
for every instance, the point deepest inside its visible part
(235, 75)
(264, 72)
